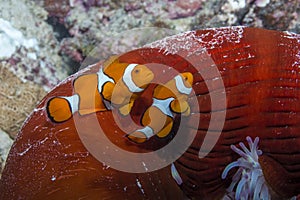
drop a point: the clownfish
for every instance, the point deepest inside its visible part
(168, 99)
(114, 85)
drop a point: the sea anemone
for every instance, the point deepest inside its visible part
(248, 182)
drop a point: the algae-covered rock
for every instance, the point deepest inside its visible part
(18, 99)
(28, 43)
(30, 61)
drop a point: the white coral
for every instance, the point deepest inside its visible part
(11, 39)
(248, 182)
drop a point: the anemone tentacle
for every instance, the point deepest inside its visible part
(248, 182)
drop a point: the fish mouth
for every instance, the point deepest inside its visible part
(189, 84)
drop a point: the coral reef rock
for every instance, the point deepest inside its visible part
(18, 99)
(28, 43)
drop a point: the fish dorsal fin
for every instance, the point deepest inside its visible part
(114, 69)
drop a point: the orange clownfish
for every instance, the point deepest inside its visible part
(168, 99)
(114, 85)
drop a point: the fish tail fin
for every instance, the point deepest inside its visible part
(59, 109)
(141, 135)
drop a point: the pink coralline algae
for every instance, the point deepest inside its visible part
(182, 8)
(57, 8)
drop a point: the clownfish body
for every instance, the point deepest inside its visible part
(168, 99)
(117, 85)
(135, 79)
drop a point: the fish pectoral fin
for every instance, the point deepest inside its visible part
(179, 106)
(121, 95)
(137, 137)
(59, 109)
(107, 91)
(125, 110)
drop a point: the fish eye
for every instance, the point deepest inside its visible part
(136, 71)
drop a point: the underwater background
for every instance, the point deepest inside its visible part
(44, 41)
